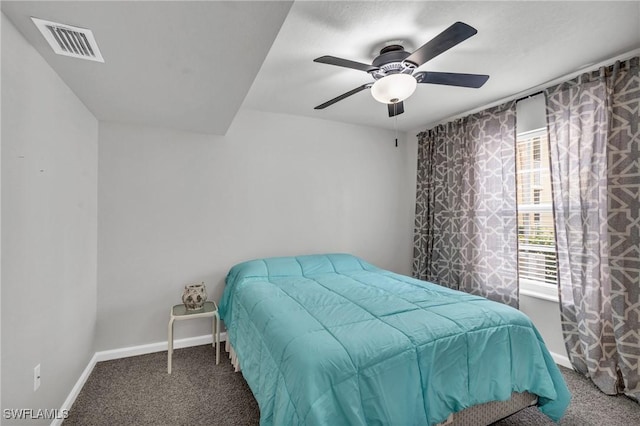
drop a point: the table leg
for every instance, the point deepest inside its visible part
(170, 348)
(213, 331)
(217, 337)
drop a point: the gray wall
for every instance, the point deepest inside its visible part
(49, 229)
(531, 114)
(2, 20)
(177, 208)
(545, 315)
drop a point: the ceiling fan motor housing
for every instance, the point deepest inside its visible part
(392, 61)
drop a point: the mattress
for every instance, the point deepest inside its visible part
(332, 339)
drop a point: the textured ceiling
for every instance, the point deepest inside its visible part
(186, 64)
(192, 65)
(520, 44)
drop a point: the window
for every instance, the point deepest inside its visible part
(536, 234)
(536, 196)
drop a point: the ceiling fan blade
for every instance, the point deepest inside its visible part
(343, 96)
(332, 60)
(453, 35)
(452, 79)
(395, 109)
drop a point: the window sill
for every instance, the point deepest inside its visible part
(539, 290)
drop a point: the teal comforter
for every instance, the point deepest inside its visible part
(333, 340)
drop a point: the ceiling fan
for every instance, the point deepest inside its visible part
(393, 70)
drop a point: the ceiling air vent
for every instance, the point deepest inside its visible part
(69, 41)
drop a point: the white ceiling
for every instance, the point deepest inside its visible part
(192, 65)
(186, 65)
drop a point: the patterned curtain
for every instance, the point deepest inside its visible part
(594, 145)
(466, 227)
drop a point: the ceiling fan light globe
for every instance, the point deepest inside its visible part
(394, 88)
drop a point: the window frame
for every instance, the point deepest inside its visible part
(531, 287)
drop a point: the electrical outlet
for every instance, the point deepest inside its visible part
(36, 377)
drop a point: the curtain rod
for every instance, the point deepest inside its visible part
(535, 90)
(530, 96)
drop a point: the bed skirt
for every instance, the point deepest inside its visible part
(482, 414)
(232, 356)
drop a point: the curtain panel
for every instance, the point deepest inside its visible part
(595, 172)
(466, 223)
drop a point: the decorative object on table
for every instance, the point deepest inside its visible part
(194, 296)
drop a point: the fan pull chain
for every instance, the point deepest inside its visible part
(395, 122)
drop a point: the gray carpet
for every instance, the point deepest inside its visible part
(138, 391)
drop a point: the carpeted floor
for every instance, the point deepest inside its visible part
(138, 391)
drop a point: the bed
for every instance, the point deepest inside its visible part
(331, 339)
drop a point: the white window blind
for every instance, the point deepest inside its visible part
(536, 234)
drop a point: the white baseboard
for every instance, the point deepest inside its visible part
(561, 360)
(75, 391)
(125, 353)
(156, 347)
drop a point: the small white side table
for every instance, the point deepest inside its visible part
(180, 312)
